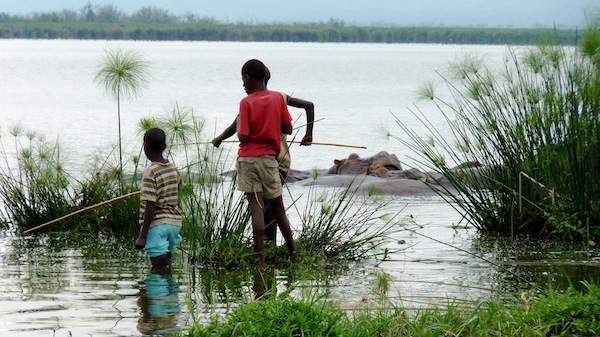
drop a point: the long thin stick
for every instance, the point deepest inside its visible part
(291, 142)
(83, 210)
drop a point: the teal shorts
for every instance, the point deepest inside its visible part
(162, 239)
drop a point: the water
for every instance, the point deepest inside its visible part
(107, 290)
(64, 288)
(48, 86)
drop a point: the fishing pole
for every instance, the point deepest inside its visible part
(291, 142)
(83, 210)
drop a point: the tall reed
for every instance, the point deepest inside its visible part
(345, 225)
(539, 117)
(35, 187)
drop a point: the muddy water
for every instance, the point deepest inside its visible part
(61, 288)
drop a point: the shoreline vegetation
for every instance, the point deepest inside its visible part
(570, 313)
(531, 131)
(107, 22)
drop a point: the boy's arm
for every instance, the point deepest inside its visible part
(309, 107)
(228, 132)
(149, 195)
(286, 118)
(149, 213)
(243, 122)
(286, 129)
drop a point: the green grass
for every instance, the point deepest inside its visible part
(539, 116)
(571, 313)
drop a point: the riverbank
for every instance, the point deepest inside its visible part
(14, 27)
(572, 313)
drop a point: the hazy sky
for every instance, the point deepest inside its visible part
(522, 13)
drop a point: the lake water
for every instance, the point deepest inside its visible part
(48, 86)
(55, 288)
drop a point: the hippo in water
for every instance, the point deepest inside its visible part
(378, 165)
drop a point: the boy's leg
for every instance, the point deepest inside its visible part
(157, 247)
(258, 225)
(270, 223)
(278, 210)
(249, 182)
(161, 264)
(173, 234)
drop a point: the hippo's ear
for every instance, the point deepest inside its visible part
(337, 161)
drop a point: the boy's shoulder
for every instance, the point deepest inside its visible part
(156, 168)
(263, 94)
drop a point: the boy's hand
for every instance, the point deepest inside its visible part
(307, 140)
(140, 243)
(216, 142)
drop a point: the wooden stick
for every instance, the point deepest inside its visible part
(83, 210)
(289, 141)
(331, 144)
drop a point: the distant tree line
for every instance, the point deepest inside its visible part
(151, 23)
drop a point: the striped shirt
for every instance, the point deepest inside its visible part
(160, 184)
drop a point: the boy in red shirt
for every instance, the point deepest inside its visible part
(283, 158)
(262, 119)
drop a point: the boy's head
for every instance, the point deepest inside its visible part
(267, 76)
(254, 73)
(154, 142)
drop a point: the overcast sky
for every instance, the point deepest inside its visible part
(517, 13)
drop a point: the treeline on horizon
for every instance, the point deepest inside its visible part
(107, 22)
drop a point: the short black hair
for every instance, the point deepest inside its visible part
(155, 140)
(267, 75)
(255, 69)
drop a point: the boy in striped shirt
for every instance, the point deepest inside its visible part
(160, 219)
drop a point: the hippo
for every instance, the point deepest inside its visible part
(378, 165)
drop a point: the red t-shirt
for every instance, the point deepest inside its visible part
(262, 114)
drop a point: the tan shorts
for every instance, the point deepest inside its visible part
(283, 158)
(259, 174)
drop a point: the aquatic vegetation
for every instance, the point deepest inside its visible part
(336, 225)
(571, 313)
(35, 187)
(342, 225)
(531, 136)
(122, 73)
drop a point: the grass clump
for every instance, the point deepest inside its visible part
(343, 226)
(35, 187)
(571, 313)
(539, 119)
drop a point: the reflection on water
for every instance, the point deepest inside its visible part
(104, 288)
(159, 304)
